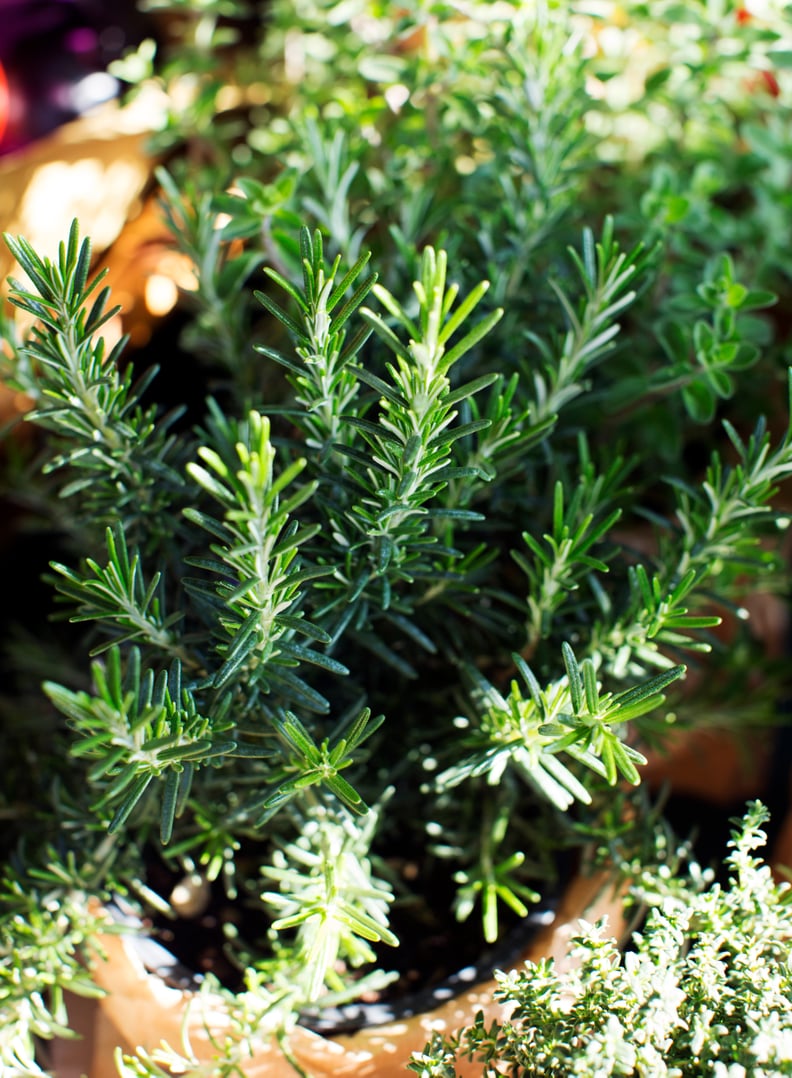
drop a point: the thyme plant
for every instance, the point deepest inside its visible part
(704, 991)
(379, 610)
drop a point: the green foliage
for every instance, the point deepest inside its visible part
(142, 727)
(316, 764)
(325, 387)
(257, 557)
(605, 273)
(47, 936)
(706, 359)
(705, 990)
(561, 561)
(570, 715)
(482, 316)
(222, 304)
(85, 398)
(328, 894)
(492, 880)
(118, 596)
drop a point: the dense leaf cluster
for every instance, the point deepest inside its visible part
(705, 990)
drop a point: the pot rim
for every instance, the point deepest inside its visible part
(158, 961)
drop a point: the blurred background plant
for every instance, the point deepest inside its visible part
(372, 121)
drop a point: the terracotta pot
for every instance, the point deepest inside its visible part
(711, 764)
(94, 168)
(139, 1010)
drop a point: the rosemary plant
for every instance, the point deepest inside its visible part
(378, 617)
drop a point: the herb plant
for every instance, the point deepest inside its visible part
(704, 991)
(382, 602)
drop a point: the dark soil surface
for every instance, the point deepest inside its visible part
(437, 957)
